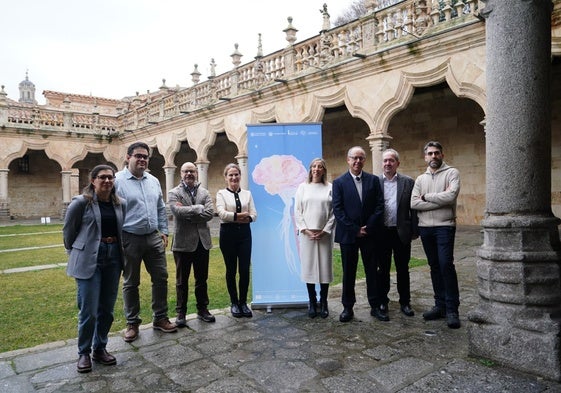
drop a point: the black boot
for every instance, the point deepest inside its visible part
(324, 311)
(312, 306)
(312, 309)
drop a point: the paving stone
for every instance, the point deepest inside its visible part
(285, 351)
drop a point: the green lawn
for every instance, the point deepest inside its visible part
(37, 307)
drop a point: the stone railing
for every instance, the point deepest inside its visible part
(37, 118)
(386, 23)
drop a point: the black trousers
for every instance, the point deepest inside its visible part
(183, 262)
(392, 244)
(235, 245)
(349, 259)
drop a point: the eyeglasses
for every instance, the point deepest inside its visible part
(434, 153)
(140, 156)
(357, 158)
(106, 177)
(189, 171)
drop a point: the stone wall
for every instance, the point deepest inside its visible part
(37, 193)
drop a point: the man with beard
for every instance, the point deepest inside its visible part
(434, 197)
(192, 209)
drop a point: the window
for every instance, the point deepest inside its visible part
(23, 164)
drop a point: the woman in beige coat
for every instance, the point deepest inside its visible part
(314, 217)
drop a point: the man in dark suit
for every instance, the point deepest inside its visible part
(400, 228)
(358, 206)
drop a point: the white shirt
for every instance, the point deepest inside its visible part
(358, 183)
(390, 201)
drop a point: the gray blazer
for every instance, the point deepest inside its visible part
(407, 221)
(191, 219)
(82, 234)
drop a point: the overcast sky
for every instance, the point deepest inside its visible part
(114, 48)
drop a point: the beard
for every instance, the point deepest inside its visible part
(435, 164)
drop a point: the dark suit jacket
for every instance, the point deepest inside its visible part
(407, 222)
(350, 213)
(82, 233)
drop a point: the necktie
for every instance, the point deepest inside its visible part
(357, 178)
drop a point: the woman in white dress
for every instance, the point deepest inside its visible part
(313, 212)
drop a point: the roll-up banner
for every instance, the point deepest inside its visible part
(278, 159)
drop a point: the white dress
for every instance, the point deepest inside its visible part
(313, 210)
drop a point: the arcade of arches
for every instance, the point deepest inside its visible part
(379, 81)
(433, 113)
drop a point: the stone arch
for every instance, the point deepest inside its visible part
(269, 115)
(213, 129)
(468, 87)
(46, 146)
(77, 154)
(336, 98)
(168, 146)
(20, 147)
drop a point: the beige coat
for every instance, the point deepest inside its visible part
(191, 219)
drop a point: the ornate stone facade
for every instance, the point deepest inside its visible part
(407, 72)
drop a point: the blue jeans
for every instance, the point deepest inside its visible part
(96, 299)
(438, 243)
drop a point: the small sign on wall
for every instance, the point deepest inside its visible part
(45, 220)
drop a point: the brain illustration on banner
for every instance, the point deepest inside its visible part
(280, 175)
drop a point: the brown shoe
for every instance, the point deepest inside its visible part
(165, 325)
(103, 357)
(84, 364)
(131, 333)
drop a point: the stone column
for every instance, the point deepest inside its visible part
(4, 202)
(66, 191)
(170, 179)
(75, 182)
(518, 320)
(66, 187)
(378, 143)
(203, 173)
(242, 163)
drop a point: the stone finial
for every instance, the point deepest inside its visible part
(163, 86)
(259, 47)
(326, 21)
(3, 95)
(290, 32)
(95, 109)
(195, 75)
(236, 56)
(212, 68)
(371, 6)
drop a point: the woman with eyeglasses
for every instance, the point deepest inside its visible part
(92, 238)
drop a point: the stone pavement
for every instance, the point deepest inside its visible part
(285, 351)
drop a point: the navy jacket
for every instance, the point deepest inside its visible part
(352, 214)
